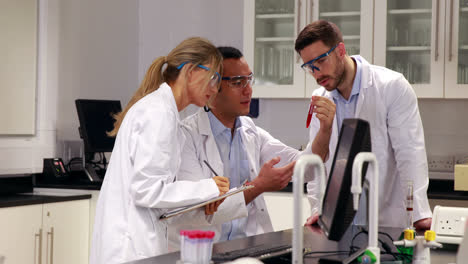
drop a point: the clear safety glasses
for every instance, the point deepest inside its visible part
(316, 63)
(241, 81)
(215, 79)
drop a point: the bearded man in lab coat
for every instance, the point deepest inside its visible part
(353, 88)
(234, 147)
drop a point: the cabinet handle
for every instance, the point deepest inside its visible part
(51, 233)
(451, 31)
(38, 235)
(436, 53)
(298, 23)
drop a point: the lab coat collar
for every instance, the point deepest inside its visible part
(166, 91)
(212, 153)
(366, 82)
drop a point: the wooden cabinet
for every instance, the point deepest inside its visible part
(66, 232)
(46, 233)
(21, 236)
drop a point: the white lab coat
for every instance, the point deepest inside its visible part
(200, 145)
(140, 183)
(388, 102)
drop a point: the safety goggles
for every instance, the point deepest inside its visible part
(315, 64)
(214, 80)
(241, 81)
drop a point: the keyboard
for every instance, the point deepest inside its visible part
(258, 252)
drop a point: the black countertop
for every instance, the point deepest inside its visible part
(316, 241)
(438, 189)
(71, 185)
(76, 180)
(30, 199)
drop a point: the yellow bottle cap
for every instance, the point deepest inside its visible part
(430, 235)
(409, 234)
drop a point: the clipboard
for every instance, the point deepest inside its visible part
(184, 209)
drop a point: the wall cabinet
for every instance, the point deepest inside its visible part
(422, 39)
(45, 233)
(271, 28)
(425, 41)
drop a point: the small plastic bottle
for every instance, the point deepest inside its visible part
(183, 250)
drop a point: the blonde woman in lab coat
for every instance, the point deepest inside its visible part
(140, 180)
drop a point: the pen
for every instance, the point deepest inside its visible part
(214, 172)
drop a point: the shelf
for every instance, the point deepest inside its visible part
(464, 9)
(340, 14)
(276, 39)
(274, 16)
(408, 48)
(409, 11)
(464, 47)
(351, 37)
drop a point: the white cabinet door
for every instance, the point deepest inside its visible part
(280, 208)
(270, 30)
(409, 39)
(456, 43)
(66, 232)
(20, 239)
(355, 20)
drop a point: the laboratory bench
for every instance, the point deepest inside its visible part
(76, 180)
(43, 198)
(18, 190)
(323, 250)
(438, 189)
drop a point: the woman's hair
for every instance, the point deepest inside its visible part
(194, 50)
(322, 30)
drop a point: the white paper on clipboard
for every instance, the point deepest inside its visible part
(184, 209)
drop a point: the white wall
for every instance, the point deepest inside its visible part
(24, 154)
(164, 24)
(445, 123)
(98, 56)
(87, 49)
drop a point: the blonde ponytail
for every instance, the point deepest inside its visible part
(194, 50)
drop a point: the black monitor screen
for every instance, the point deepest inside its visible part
(337, 210)
(95, 121)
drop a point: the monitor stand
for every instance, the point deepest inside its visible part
(91, 173)
(88, 167)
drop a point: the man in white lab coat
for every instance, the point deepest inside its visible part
(234, 147)
(353, 88)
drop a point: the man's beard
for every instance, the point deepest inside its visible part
(340, 73)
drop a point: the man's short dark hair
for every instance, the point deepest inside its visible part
(318, 30)
(230, 53)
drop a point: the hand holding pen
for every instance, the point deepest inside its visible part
(222, 182)
(223, 185)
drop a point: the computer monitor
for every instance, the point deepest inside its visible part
(337, 209)
(96, 119)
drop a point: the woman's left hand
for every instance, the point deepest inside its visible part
(212, 207)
